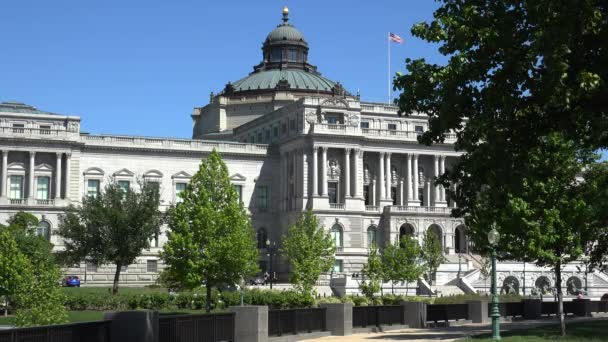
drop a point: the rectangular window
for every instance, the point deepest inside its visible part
(92, 187)
(332, 119)
(152, 266)
(45, 129)
(91, 267)
(267, 136)
(263, 197)
(276, 54)
(364, 124)
(284, 128)
(292, 125)
(292, 55)
(419, 129)
(332, 192)
(366, 195)
(392, 127)
(124, 185)
(239, 192)
(179, 187)
(42, 188)
(259, 138)
(337, 266)
(18, 128)
(275, 131)
(16, 187)
(394, 195)
(124, 269)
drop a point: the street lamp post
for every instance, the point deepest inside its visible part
(493, 237)
(271, 247)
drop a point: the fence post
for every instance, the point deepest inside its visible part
(478, 311)
(133, 326)
(339, 318)
(250, 323)
(415, 314)
(532, 308)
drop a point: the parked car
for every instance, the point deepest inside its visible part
(71, 281)
(259, 280)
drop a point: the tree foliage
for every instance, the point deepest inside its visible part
(113, 227)
(524, 90)
(310, 251)
(211, 240)
(432, 254)
(402, 261)
(372, 274)
(29, 278)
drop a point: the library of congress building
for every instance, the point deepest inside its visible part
(292, 139)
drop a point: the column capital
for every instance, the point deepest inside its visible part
(325, 148)
(360, 152)
(409, 156)
(381, 154)
(68, 155)
(32, 153)
(315, 149)
(443, 156)
(436, 157)
(59, 154)
(388, 154)
(348, 149)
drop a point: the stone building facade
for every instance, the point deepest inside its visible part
(292, 140)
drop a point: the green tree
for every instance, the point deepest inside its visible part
(524, 92)
(22, 226)
(595, 191)
(371, 274)
(402, 261)
(432, 254)
(114, 226)
(211, 240)
(310, 251)
(15, 269)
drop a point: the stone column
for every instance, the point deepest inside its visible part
(415, 197)
(381, 176)
(347, 173)
(436, 197)
(324, 172)
(68, 162)
(295, 194)
(408, 178)
(389, 182)
(315, 172)
(355, 180)
(58, 176)
(30, 193)
(441, 172)
(401, 192)
(373, 192)
(4, 174)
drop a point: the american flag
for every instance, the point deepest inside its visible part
(395, 38)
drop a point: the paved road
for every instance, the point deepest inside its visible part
(440, 334)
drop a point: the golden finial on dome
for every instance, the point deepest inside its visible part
(285, 14)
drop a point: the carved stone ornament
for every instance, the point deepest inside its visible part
(354, 119)
(311, 116)
(333, 169)
(367, 176)
(394, 177)
(334, 102)
(73, 126)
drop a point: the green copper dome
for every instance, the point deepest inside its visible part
(295, 79)
(285, 32)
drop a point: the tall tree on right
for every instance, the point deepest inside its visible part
(525, 91)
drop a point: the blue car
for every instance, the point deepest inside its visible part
(71, 281)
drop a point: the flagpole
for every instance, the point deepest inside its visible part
(388, 41)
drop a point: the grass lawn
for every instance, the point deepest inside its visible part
(576, 332)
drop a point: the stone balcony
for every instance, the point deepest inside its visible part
(372, 133)
(33, 202)
(404, 209)
(37, 133)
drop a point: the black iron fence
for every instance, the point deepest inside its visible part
(199, 328)
(597, 306)
(372, 316)
(509, 309)
(76, 332)
(295, 321)
(446, 312)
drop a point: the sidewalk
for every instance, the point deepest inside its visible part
(444, 334)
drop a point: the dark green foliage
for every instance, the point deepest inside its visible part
(112, 227)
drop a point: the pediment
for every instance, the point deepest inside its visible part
(153, 174)
(182, 174)
(94, 171)
(44, 167)
(123, 173)
(16, 167)
(237, 177)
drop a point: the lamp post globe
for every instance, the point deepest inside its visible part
(493, 238)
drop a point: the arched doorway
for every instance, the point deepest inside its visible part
(510, 285)
(438, 234)
(336, 235)
(460, 240)
(372, 236)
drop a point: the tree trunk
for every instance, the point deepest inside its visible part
(560, 299)
(393, 287)
(406, 288)
(5, 306)
(116, 278)
(208, 299)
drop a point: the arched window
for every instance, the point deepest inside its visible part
(436, 230)
(406, 229)
(543, 284)
(510, 285)
(262, 236)
(371, 236)
(44, 229)
(336, 235)
(574, 286)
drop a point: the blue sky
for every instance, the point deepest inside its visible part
(139, 67)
